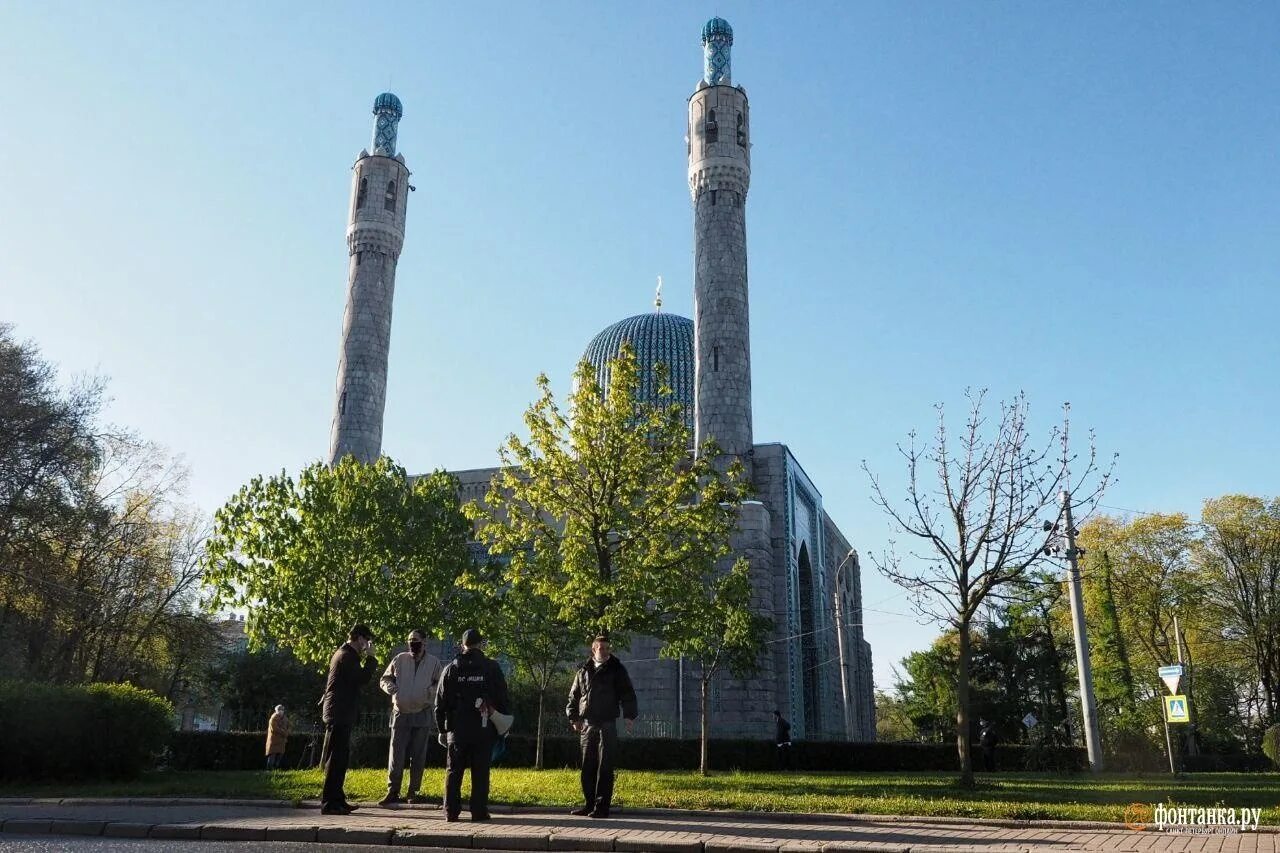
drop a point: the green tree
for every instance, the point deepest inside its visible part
(603, 511)
(352, 543)
(711, 622)
(1239, 555)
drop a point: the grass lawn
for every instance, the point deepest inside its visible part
(1001, 795)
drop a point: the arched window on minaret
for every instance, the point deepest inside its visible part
(389, 203)
(364, 191)
(742, 131)
(712, 131)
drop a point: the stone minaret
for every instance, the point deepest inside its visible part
(719, 175)
(379, 196)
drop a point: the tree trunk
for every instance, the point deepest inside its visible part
(706, 723)
(537, 755)
(963, 741)
(1122, 650)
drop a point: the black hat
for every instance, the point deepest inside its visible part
(471, 638)
(602, 638)
(361, 631)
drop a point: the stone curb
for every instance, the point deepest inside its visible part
(619, 811)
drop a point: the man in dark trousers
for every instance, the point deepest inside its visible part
(340, 705)
(471, 687)
(782, 737)
(599, 690)
(987, 739)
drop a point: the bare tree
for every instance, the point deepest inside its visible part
(982, 519)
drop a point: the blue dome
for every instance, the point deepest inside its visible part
(717, 27)
(655, 337)
(387, 102)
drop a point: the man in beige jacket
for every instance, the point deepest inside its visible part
(410, 681)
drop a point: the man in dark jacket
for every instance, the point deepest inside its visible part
(339, 706)
(471, 687)
(600, 688)
(782, 736)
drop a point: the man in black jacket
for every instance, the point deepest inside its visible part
(600, 688)
(471, 687)
(340, 705)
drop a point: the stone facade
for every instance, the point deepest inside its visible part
(375, 235)
(719, 151)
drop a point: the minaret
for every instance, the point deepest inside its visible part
(379, 196)
(719, 149)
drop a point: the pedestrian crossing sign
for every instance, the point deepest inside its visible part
(1175, 709)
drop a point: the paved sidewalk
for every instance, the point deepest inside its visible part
(533, 829)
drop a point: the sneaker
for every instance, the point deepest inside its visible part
(451, 818)
(599, 812)
(482, 816)
(416, 800)
(390, 800)
(581, 811)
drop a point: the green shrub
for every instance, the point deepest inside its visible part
(1271, 744)
(243, 751)
(51, 732)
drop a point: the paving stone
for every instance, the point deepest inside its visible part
(647, 844)
(127, 829)
(77, 827)
(28, 827)
(572, 841)
(185, 831)
(865, 847)
(291, 833)
(353, 835)
(232, 832)
(731, 845)
(431, 838)
(512, 841)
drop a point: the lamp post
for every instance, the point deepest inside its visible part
(844, 658)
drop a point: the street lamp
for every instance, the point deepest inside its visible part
(844, 658)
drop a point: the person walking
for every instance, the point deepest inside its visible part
(471, 687)
(987, 739)
(339, 707)
(600, 689)
(410, 681)
(277, 738)
(782, 737)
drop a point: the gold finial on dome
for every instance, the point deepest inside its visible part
(657, 299)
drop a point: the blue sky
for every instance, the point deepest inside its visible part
(1074, 200)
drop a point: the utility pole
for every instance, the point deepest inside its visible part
(1089, 707)
(840, 644)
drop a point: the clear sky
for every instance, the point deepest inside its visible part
(1075, 200)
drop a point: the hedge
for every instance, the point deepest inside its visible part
(98, 731)
(244, 751)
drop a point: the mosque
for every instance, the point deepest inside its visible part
(805, 574)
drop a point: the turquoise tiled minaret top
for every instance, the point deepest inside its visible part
(717, 39)
(388, 109)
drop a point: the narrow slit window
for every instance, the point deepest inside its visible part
(389, 203)
(742, 131)
(712, 132)
(364, 191)
(713, 198)
(342, 403)
(715, 359)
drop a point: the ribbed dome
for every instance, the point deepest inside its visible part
(717, 27)
(389, 103)
(655, 337)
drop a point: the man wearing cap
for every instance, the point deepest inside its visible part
(471, 687)
(600, 688)
(410, 681)
(339, 707)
